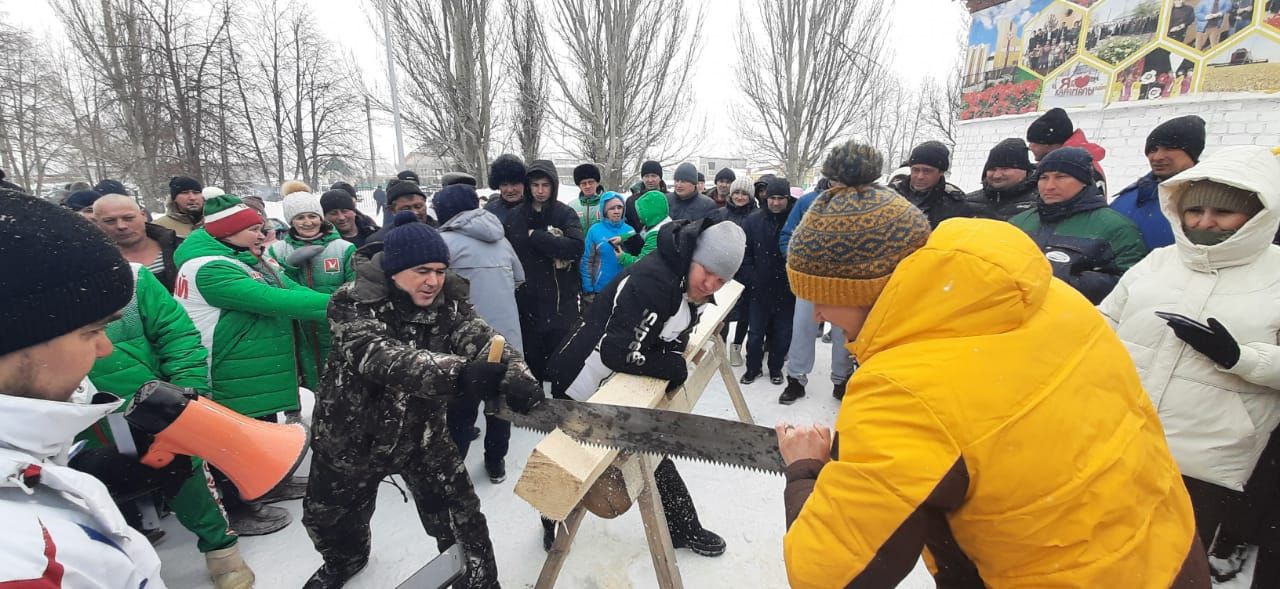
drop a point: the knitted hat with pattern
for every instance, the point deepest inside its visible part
(853, 164)
(300, 203)
(226, 215)
(848, 244)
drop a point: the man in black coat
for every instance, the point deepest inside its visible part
(507, 176)
(547, 237)
(644, 331)
(1008, 187)
(772, 304)
(928, 189)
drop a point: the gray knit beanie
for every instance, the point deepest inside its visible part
(720, 249)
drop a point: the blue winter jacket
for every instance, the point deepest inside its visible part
(1140, 202)
(793, 221)
(599, 262)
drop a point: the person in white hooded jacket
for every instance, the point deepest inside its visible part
(1216, 385)
(63, 283)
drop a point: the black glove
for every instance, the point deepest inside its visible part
(523, 394)
(478, 380)
(679, 374)
(1217, 344)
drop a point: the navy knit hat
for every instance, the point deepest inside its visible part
(410, 244)
(61, 273)
(179, 184)
(454, 199)
(931, 153)
(108, 186)
(81, 199)
(1185, 133)
(1072, 161)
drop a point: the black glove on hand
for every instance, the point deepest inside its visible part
(1218, 345)
(678, 377)
(523, 394)
(478, 380)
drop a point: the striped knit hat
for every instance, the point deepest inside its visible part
(226, 215)
(849, 243)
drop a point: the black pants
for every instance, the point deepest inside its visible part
(462, 417)
(770, 328)
(541, 342)
(1212, 505)
(741, 317)
(339, 505)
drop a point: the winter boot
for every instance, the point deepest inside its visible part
(826, 337)
(735, 354)
(749, 377)
(703, 541)
(228, 570)
(775, 378)
(153, 535)
(327, 577)
(258, 519)
(475, 433)
(1225, 568)
(288, 490)
(794, 391)
(838, 391)
(548, 534)
(496, 468)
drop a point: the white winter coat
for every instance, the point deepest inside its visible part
(1216, 420)
(66, 519)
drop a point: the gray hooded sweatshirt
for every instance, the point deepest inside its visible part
(479, 252)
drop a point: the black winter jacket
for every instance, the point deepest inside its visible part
(1002, 205)
(501, 208)
(169, 242)
(738, 215)
(763, 266)
(625, 323)
(549, 294)
(940, 203)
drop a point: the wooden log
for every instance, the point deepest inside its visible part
(560, 471)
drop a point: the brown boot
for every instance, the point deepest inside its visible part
(228, 570)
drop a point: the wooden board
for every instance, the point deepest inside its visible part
(561, 471)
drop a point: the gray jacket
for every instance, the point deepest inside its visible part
(479, 252)
(697, 207)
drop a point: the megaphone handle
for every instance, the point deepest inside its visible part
(157, 456)
(493, 400)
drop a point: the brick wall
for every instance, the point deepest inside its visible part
(1122, 129)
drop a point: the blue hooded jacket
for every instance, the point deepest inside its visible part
(1140, 202)
(599, 262)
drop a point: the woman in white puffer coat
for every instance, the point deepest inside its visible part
(1217, 392)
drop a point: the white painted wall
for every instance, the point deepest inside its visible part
(1122, 128)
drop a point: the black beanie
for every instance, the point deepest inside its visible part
(1185, 133)
(108, 186)
(778, 186)
(651, 167)
(686, 172)
(349, 189)
(451, 178)
(585, 171)
(726, 174)
(1072, 161)
(507, 169)
(1052, 128)
(336, 199)
(701, 177)
(402, 189)
(931, 153)
(81, 199)
(179, 184)
(410, 243)
(1010, 153)
(408, 175)
(61, 273)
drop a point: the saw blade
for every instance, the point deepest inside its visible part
(657, 432)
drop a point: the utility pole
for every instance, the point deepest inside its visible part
(395, 92)
(373, 155)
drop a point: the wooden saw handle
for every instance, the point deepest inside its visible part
(496, 346)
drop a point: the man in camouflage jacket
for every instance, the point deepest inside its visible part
(394, 365)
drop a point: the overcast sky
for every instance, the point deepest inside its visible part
(924, 33)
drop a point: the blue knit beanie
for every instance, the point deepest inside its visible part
(1072, 161)
(454, 199)
(411, 243)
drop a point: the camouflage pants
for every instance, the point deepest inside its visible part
(339, 504)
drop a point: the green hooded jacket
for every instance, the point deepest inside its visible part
(244, 308)
(652, 209)
(324, 272)
(588, 209)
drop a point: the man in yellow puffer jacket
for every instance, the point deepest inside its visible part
(996, 422)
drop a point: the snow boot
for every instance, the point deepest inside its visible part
(735, 354)
(496, 469)
(153, 535)
(775, 378)
(548, 534)
(826, 337)
(327, 577)
(838, 391)
(475, 433)
(703, 541)
(258, 519)
(288, 490)
(749, 377)
(1225, 568)
(794, 391)
(228, 570)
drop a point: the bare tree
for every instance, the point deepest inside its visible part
(623, 80)
(807, 81)
(530, 77)
(33, 125)
(893, 122)
(443, 48)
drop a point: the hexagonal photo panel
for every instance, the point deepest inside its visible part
(1080, 84)
(1204, 25)
(1052, 37)
(1271, 14)
(1084, 3)
(1119, 29)
(1251, 64)
(1158, 74)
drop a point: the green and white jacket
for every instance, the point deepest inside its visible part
(323, 272)
(244, 308)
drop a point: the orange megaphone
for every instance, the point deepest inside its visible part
(255, 455)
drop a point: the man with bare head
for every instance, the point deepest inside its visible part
(126, 225)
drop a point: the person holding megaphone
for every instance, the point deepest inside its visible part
(406, 341)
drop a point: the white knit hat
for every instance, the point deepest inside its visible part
(302, 202)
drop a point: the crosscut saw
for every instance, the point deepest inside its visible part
(647, 431)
